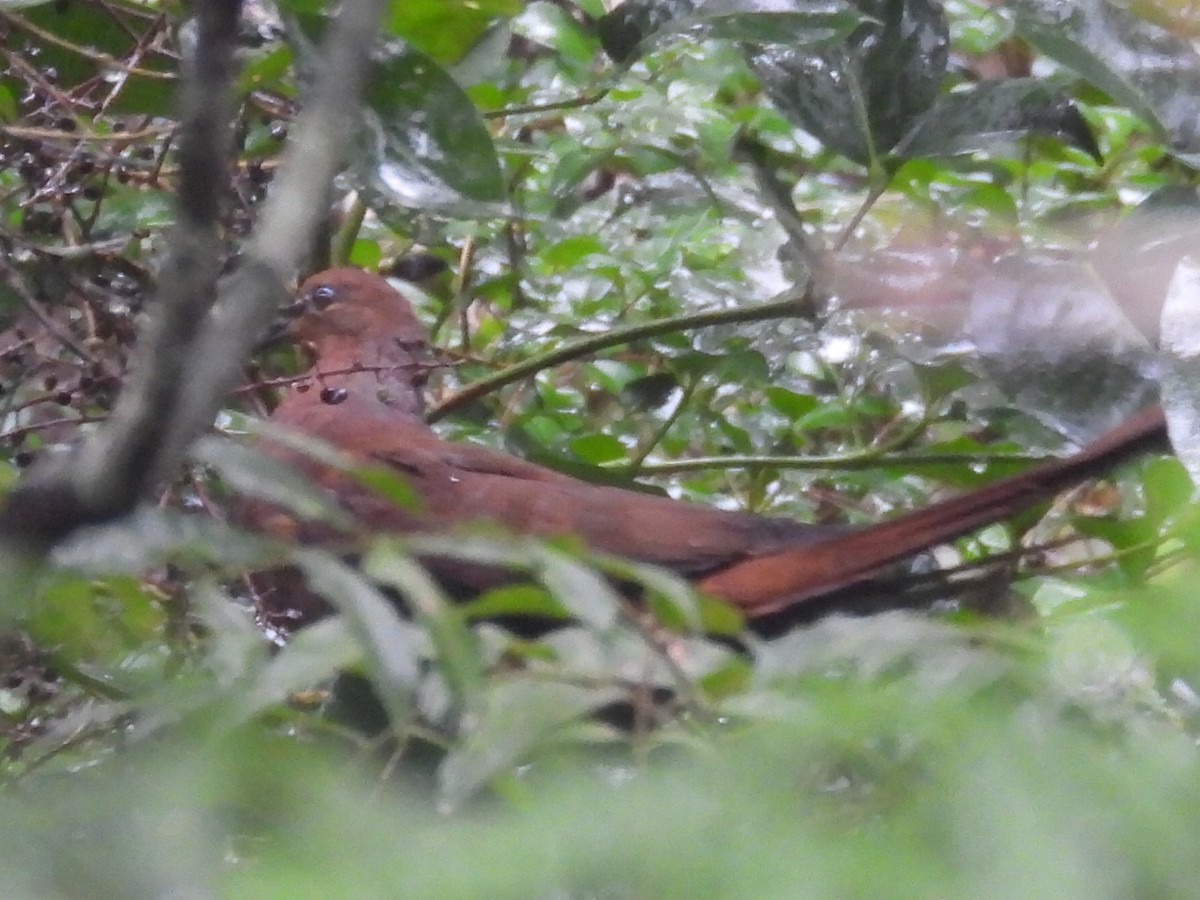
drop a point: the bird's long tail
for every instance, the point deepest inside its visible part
(770, 584)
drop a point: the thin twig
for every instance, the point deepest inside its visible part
(536, 108)
(18, 286)
(96, 56)
(119, 138)
(34, 427)
(634, 466)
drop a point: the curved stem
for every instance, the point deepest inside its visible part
(347, 233)
(849, 462)
(588, 346)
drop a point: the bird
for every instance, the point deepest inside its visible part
(363, 394)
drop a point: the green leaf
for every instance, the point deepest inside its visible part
(268, 71)
(674, 602)
(566, 254)
(637, 26)
(1141, 65)
(790, 403)
(941, 379)
(550, 25)
(101, 32)
(862, 97)
(1167, 488)
(457, 654)
(314, 655)
(391, 647)
(515, 600)
(998, 112)
(251, 473)
(152, 537)
(8, 105)
(425, 145)
(518, 715)
(598, 448)
(578, 587)
(100, 623)
(446, 29)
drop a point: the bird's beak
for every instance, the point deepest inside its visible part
(279, 329)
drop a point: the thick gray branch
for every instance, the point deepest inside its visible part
(191, 356)
(298, 204)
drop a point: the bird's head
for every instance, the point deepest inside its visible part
(349, 304)
(363, 338)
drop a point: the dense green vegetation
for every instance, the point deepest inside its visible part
(940, 235)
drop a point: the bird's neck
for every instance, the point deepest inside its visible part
(382, 379)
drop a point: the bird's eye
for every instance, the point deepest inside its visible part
(322, 297)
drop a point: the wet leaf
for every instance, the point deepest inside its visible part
(1181, 350)
(636, 26)
(94, 27)
(1138, 256)
(998, 112)
(1051, 335)
(1137, 63)
(861, 97)
(425, 145)
(552, 26)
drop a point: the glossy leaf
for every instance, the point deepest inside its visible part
(1055, 340)
(637, 26)
(425, 145)
(1137, 258)
(1181, 349)
(552, 26)
(92, 26)
(998, 112)
(1137, 63)
(860, 98)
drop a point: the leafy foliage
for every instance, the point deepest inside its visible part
(733, 247)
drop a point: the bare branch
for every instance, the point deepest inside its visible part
(125, 458)
(191, 355)
(297, 206)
